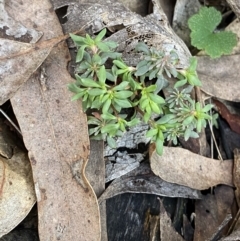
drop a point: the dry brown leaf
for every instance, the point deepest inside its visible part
(236, 175)
(183, 167)
(211, 212)
(232, 119)
(55, 134)
(220, 76)
(13, 29)
(167, 231)
(17, 195)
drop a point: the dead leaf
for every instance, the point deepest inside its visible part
(17, 195)
(220, 76)
(154, 29)
(142, 180)
(183, 167)
(167, 231)
(14, 30)
(232, 119)
(55, 133)
(211, 212)
(236, 175)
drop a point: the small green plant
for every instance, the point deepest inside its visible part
(205, 36)
(121, 96)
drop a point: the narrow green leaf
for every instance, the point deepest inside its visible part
(124, 94)
(156, 98)
(121, 86)
(180, 83)
(165, 119)
(188, 120)
(112, 45)
(109, 128)
(77, 96)
(141, 70)
(159, 147)
(152, 132)
(142, 47)
(102, 46)
(207, 108)
(80, 53)
(96, 92)
(133, 122)
(111, 142)
(101, 74)
(108, 116)
(199, 125)
(78, 40)
(100, 36)
(120, 64)
(155, 108)
(123, 103)
(106, 106)
(150, 88)
(89, 83)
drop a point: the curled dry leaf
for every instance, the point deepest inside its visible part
(17, 195)
(167, 231)
(232, 119)
(183, 167)
(142, 180)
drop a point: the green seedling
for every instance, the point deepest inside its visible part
(110, 88)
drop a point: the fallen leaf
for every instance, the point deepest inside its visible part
(55, 134)
(167, 231)
(232, 119)
(219, 76)
(236, 175)
(142, 180)
(234, 236)
(17, 195)
(211, 212)
(183, 167)
(14, 30)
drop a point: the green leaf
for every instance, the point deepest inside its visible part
(96, 92)
(77, 96)
(141, 70)
(121, 86)
(108, 116)
(142, 47)
(133, 122)
(122, 103)
(80, 53)
(180, 83)
(155, 108)
(72, 87)
(111, 142)
(100, 36)
(156, 98)
(203, 25)
(152, 132)
(78, 40)
(165, 119)
(120, 64)
(188, 120)
(159, 146)
(207, 108)
(108, 128)
(112, 45)
(101, 74)
(103, 47)
(89, 83)
(124, 94)
(106, 106)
